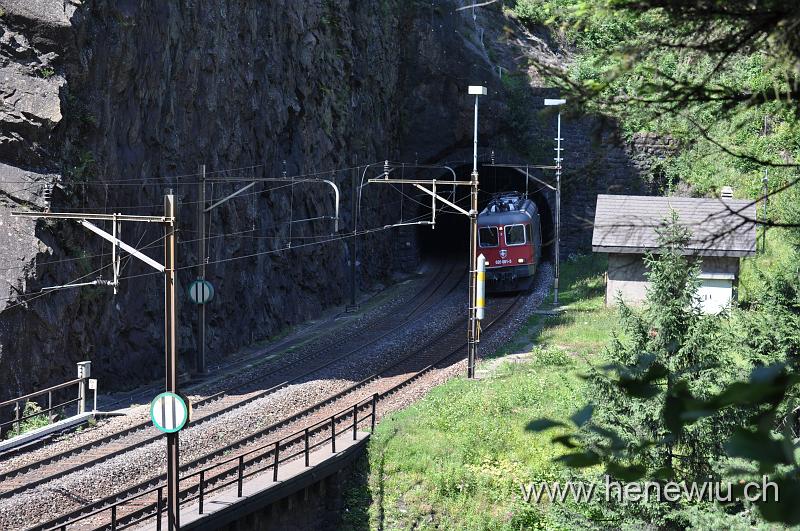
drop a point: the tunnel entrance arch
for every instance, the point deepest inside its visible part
(451, 235)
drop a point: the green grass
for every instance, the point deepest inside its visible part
(582, 281)
(35, 422)
(580, 332)
(778, 254)
(586, 324)
(440, 463)
(45, 72)
(456, 459)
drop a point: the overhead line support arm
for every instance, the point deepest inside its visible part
(442, 199)
(132, 250)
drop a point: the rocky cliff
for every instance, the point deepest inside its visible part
(111, 103)
(107, 104)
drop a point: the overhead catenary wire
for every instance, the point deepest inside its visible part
(322, 241)
(184, 203)
(244, 234)
(105, 209)
(330, 239)
(325, 240)
(161, 182)
(84, 257)
(42, 293)
(404, 194)
(168, 180)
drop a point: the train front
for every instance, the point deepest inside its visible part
(507, 230)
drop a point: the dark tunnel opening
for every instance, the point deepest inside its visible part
(450, 238)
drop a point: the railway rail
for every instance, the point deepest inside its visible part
(129, 507)
(442, 269)
(31, 475)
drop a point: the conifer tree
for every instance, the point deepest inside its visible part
(676, 346)
(662, 353)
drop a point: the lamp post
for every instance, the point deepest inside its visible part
(550, 103)
(472, 330)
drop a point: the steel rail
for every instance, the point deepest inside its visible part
(409, 318)
(138, 490)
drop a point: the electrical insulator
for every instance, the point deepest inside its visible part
(47, 196)
(480, 287)
(385, 169)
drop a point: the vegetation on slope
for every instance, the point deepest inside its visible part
(457, 458)
(685, 396)
(722, 77)
(654, 71)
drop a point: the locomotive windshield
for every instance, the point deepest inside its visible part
(488, 236)
(515, 234)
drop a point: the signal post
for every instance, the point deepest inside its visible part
(169, 268)
(429, 187)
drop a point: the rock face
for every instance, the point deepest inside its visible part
(107, 104)
(108, 100)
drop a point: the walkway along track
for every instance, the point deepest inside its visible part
(59, 465)
(382, 384)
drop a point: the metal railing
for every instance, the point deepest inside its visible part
(19, 412)
(235, 470)
(143, 509)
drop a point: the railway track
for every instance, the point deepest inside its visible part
(290, 343)
(58, 465)
(439, 351)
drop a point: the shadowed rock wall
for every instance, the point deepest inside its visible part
(107, 104)
(113, 102)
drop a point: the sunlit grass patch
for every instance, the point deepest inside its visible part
(457, 458)
(584, 332)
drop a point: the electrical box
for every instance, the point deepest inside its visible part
(84, 369)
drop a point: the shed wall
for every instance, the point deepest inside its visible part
(626, 279)
(626, 276)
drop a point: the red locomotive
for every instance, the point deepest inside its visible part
(510, 238)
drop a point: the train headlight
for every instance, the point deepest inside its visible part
(520, 260)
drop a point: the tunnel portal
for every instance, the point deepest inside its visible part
(450, 238)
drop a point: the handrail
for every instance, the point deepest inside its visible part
(42, 412)
(273, 449)
(19, 413)
(43, 391)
